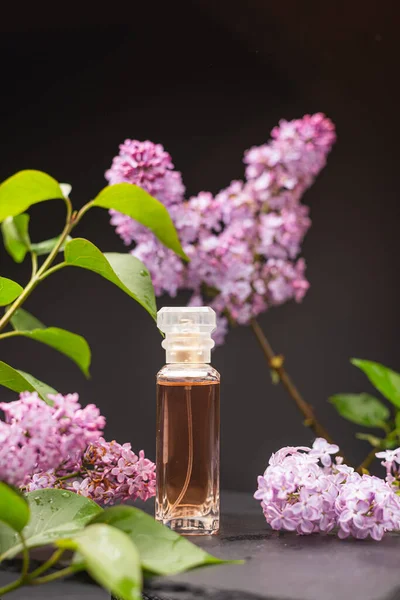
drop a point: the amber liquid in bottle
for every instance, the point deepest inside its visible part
(187, 498)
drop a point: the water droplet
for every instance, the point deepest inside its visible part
(143, 273)
(65, 494)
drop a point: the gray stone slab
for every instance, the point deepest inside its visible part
(278, 566)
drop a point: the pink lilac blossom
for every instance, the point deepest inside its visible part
(61, 445)
(113, 473)
(36, 436)
(244, 243)
(303, 491)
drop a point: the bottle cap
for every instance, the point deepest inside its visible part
(187, 333)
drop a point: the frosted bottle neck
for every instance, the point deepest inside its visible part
(188, 348)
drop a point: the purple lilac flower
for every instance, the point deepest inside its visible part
(36, 436)
(323, 450)
(150, 167)
(243, 243)
(366, 506)
(60, 445)
(302, 490)
(147, 165)
(113, 473)
(392, 464)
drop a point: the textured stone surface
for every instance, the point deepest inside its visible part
(278, 566)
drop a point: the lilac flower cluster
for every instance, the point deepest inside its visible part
(112, 473)
(303, 490)
(37, 436)
(60, 445)
(244, 242)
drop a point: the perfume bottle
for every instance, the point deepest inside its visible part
(187, 498)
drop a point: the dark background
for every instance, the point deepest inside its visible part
(208, 80)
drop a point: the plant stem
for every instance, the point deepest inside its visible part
(68, 226)
(18, 302)
(303, 406)
(11, 586)
(368, 460)
(54, 576)
(54, 558)
(9, 334)
(25, 556)
(52, 270)
(65, 477)
(81, 212)
(35, 279)
(14, 585)
(32, 578)
(34, 263)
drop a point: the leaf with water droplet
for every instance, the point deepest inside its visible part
(52, 517)
(162, 551)
(111, 558)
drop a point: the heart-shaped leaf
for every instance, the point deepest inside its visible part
(14, 509)
(9, 291)
(124, 270)
(385, 380)
(22, 320)
(111, 558)
(71, 344)
(135, 202)
(362, 409)
(19, 381)
(162, 551)
(16, 236)
(55, 514)
(45, 247)
(20, 191)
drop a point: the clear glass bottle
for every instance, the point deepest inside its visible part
(187, 498)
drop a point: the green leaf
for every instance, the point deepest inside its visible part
(16, 236)
(110, 557)
(124, 270)
(22, 320)
(135, 202)
(55, 514)
(14, 509)
(19, 381)
(20, 191)
(362, 409)
(71, 344)
(385, 380)
(372, 439)
(9, 291)
(45, 247)
(162, 551)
